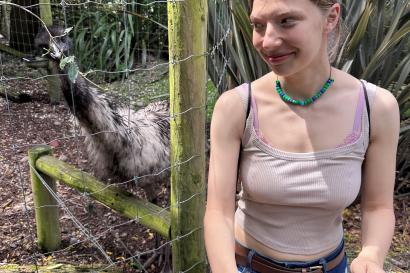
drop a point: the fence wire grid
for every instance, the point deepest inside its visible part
(122, 47)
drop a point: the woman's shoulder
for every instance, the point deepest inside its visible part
(229, 111)
(384, 113)
(350, 82)
(382, 100)
(384, 109)
(230, 101)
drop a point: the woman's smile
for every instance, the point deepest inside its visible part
(278, 58)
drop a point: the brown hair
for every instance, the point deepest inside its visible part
(337, 33)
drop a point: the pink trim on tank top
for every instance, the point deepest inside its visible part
(357, 127)
(351, 138)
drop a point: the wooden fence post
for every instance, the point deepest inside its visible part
(46, 209)
(45, 12)
(53, 81)
(187, 33)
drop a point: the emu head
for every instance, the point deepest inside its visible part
(55, 46)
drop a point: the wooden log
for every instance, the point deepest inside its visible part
(14, 95)
(123, 202)
(57, 268)
(187, 26)
(46, 207)
(12, 51)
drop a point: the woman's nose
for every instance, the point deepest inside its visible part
(272, 38)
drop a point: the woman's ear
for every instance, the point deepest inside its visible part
(332, 17)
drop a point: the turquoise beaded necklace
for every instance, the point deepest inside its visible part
(308, 101)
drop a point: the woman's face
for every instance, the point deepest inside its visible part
(289, 34)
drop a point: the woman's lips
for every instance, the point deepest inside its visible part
(278, 58)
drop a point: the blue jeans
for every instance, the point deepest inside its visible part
(340, 268)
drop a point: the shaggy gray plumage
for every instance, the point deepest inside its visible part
(120, 142)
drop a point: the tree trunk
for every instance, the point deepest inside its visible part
(23, 25)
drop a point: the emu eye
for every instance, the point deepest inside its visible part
(42, 48)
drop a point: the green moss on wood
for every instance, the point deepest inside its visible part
(12, 51)
(123, 202)
(45, 12)
(55, 268)
(46, 207)
(187, 21)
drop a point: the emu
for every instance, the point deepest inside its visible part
(120, 142)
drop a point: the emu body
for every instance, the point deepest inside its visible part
(120, 142)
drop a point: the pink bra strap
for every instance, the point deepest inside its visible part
(254, 110)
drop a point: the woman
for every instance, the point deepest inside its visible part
(300, 161)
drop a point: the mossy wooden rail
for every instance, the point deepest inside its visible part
(55, 268)
(121, 201)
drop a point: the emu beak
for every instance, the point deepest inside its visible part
(55, 51)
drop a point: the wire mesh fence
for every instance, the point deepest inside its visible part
(112, 122)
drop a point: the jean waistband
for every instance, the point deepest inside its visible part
(297, 264)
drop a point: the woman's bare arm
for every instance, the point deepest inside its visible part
(226, 130)
(378, 185)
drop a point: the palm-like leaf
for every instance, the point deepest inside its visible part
(378, 43)
(245, 64)
(378, 51)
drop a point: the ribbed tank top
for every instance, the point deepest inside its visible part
(293, 202)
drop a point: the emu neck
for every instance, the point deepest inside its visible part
(80, 100)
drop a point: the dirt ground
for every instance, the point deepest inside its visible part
(127, 243)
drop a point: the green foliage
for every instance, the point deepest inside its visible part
(245, 63)
(101, 42)
(247, 60)
(111, 36)
(72, 67)
(212, 96)
(377, 47)
(403, 162)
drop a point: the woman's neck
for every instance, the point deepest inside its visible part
(306, 83)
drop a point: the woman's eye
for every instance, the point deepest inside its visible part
(258, 26)
(287, 22)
